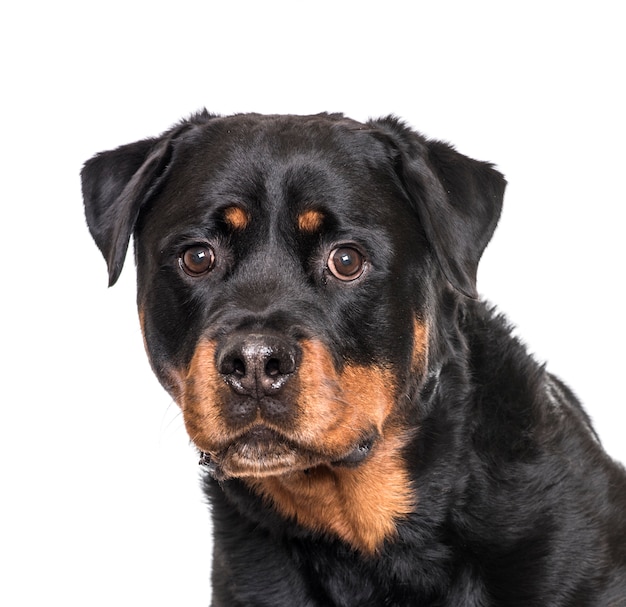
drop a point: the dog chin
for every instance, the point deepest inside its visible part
(263, 453)
(258, 460)
(257, 454)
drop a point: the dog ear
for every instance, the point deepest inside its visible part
(115, 185)
(458, 200)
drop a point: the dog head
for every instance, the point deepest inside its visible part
(288, 269)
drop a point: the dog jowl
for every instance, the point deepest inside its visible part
(372, 434)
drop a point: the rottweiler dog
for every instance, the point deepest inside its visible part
(371, 431)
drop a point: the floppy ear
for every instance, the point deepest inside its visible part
(115, 185)
(458, 200)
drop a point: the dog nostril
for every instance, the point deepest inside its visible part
(239, 367)
(272, 367)
(232, 366)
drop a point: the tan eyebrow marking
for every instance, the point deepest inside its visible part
(236, 218)
(310, 221)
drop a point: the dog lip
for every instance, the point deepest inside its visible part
(359, 453)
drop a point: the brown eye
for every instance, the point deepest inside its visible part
(346, 263)
(197, 260)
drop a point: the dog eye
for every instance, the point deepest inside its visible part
(346, 263)
(197, 260)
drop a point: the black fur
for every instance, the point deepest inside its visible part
(516, 502)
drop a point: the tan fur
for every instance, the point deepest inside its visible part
(310, 221)
(236, 218)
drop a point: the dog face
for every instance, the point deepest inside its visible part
(288, 272)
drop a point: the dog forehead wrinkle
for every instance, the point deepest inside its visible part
(295, 153)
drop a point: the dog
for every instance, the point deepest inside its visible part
(372, 433)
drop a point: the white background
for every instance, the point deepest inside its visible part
(100, 502)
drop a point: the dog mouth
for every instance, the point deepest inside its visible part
(263, 452)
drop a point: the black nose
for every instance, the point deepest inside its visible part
(257, 364)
